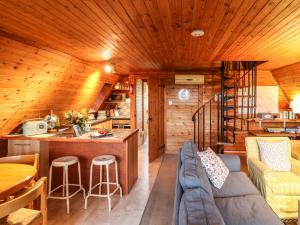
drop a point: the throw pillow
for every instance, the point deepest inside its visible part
(216, 170)
(275, 155)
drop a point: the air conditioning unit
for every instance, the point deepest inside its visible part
(189, 79)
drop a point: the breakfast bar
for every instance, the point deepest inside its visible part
(123, 144)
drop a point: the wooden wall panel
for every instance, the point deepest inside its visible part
(33, 81)
(288, 78)
(179, 124)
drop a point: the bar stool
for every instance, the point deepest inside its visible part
(104, 160)
(65, 162)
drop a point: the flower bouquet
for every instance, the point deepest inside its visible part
(77, 119)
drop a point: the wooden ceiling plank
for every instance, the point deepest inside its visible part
(153, 29)
(186, 28)
(231, 18)
(92, 30)
(277, 41)
(271, 27)
(117, 14)
(164, 11)
(31, 31)
(207, 25)
(258, 24)
(107, 39)
(128, 48)
(240, 28)
(221, 9)
(140, 19)
(176, 24)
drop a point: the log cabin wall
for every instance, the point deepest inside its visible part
(178, 124)
(34, 80)
(288, 78)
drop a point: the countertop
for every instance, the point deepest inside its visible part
(119, 136)
(262, 133)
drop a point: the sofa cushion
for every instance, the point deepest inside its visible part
(236, 184)
(188, 150)
(275, 154)
(197, 208)
(193, 175)
(284, 183)
(215, 168)
(247, 210)
(232, 162)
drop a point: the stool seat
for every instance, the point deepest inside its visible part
(103, 160)
(65, 161)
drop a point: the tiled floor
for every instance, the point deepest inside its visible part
(127, 211)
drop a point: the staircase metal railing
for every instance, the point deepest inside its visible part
(199, 119)
(236, 105)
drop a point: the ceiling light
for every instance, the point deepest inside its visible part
(197, 33)
(108, 68)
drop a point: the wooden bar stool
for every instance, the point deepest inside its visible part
(104, 160)
(65, 162)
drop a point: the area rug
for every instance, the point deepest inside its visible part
(159, 208)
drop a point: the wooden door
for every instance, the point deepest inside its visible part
(156, 118)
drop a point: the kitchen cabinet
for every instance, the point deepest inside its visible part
(30, 147)
(106, 124)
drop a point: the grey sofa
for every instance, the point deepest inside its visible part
(197, 202)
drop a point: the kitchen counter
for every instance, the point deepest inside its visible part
(119, 136)
(123, 145)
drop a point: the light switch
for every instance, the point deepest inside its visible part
(170, 102)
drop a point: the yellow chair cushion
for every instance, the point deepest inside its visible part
(284, 183)
(23, 216)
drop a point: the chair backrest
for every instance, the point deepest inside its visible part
(38, 190)
(22, 159)
(252, 149)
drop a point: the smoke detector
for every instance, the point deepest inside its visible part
(197, 33)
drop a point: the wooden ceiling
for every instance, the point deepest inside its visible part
(155, 34)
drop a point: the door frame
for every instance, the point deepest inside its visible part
(156, 91)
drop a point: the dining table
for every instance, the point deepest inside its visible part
(15, 177)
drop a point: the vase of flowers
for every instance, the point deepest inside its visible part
(77, 119)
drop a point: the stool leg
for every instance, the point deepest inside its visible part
(50, 181)
(108, 191)
(67, 189)
(117, 178)
(100, 183)
(64, 183)
(79, 179)
(90, 186)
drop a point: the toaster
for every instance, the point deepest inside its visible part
(34, 127)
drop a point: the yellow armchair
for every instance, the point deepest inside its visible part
(280, 189)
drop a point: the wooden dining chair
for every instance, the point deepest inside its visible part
(15, 212)
(22, 159)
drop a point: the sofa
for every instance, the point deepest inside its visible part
(280, 189)
(197, 202)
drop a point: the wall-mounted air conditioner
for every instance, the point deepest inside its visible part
(189, 79)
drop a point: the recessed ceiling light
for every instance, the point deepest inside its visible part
(197, 33)
(108, 68)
